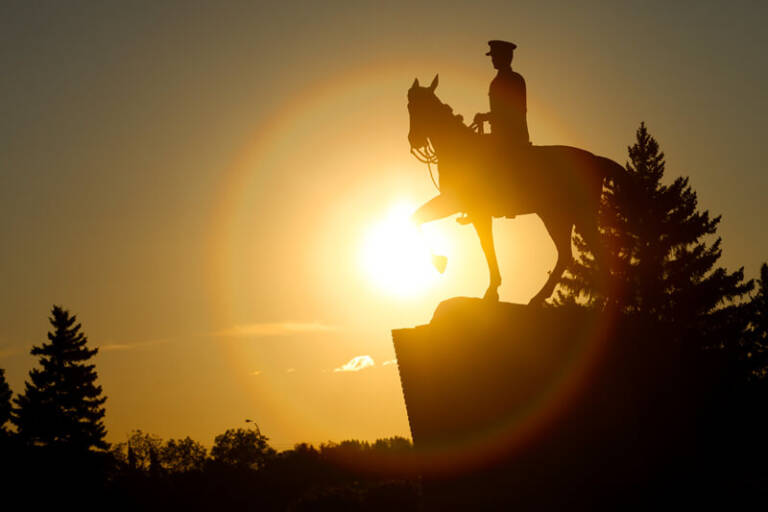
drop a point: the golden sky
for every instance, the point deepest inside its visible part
(197, 182)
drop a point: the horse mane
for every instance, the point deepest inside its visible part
(456, 118)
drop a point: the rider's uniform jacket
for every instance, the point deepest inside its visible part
(508, 107)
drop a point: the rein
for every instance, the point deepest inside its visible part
(427, 155)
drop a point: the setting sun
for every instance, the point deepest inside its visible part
(397, 256)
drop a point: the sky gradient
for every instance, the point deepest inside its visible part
(195, 181)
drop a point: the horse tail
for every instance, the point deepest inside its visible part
(610, 174)
(607, 173)
(613, 173)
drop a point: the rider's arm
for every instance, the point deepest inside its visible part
(482, 117)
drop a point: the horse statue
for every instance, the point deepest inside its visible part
(479, 177)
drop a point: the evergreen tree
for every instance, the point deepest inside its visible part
(656, 258)
(61, 404)
(754, 349)
(5, 402)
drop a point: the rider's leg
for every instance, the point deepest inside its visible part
(484, 227)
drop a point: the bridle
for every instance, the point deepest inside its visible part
(427, 155)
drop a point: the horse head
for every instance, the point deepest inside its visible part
(425, 111)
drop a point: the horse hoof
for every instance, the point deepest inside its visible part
(492, 294)
(439, 262)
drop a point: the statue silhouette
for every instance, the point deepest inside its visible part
(506, 96)
(484, 178)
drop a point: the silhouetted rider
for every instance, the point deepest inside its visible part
(507, 98)
(506, 95)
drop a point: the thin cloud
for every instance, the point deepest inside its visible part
(256, 372)
(261, 330)
(387, 363)
(130, 346)
(356, 364)
(290, 370)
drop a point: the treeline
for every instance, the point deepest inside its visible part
(54, 452)
(249, 449)
(241, 471)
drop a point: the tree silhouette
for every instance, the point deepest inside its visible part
(183, 455)
(656, 259)
(5, 402)
(137, 451)
(242, 448)
(148, 453)
(754, 348)
(61, 404)
(155, 467)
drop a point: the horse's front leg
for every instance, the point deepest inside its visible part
(484, 227)
(436, 208)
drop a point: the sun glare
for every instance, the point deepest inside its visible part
(396, 256)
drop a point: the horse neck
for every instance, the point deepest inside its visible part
(446, 133)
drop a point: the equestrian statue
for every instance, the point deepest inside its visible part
(501, 174)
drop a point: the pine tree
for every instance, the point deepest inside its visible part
(754, 345)
(656, 256)
(61, 404)
(5, 402)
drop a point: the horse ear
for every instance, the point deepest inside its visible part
(415, 83)
(433, 85)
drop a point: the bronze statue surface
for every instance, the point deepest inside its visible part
(486, 177)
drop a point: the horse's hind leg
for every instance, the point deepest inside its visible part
(560, 231)
(484, 227)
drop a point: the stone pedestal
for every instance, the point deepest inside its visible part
(534, 407)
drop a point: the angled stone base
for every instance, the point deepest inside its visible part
(517, 405)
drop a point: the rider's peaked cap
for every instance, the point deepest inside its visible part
(501, 47)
